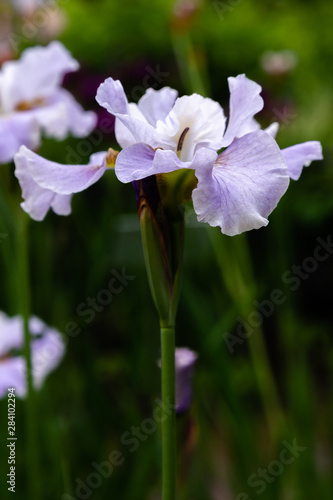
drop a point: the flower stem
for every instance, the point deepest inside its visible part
(24, 307)
(169, 421)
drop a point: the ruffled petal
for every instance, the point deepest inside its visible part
(40, 68)
(243, 187)
(252, 125)
(245, 102)
(48, 184)
(61, 204)
(61, 179)
(17, 129)
(301, 155)
(38, 200)
(139, 161)
(111, 96)
(156, 104)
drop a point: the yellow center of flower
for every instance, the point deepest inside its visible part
(27, 105)
(111, 157)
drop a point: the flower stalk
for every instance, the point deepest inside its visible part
(169, 423)
(24, 305)
(162, 230)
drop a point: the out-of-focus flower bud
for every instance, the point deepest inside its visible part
(278, 63)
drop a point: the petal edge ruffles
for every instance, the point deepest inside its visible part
(244, 185)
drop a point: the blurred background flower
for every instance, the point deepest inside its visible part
(185, 361)
(45, 19)
(41, 105)
(47, 351)
(279, 63)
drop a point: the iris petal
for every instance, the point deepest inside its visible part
(301, 155)
(242, 188)
(245, 102)
(47, 184)
(111, 96)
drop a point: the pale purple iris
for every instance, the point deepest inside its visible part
(33, 102)
(47, 350)
(237, 188)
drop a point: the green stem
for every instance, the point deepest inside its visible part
(24, 307)
(169, 422)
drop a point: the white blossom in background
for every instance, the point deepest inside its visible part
(33, 102)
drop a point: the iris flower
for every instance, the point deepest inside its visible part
(33, 102)
(47, 350)
(240, 170)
